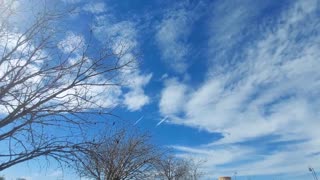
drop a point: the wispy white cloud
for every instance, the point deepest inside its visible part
(95, 8)
(72, 42)
(121, 35)
(270, 90)
(56, 173)
(102, 97)
(122, 38)
(173, 96)
(230, 24)
(71, 1)
(171, 37)
(247, 161)
(136, 98)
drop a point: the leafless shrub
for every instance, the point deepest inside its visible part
(121, 156)
(170, 167)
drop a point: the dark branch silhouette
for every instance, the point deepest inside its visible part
(49, 89)
(120, 156)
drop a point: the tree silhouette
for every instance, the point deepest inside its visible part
(49, 87)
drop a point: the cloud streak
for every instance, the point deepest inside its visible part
(172, 35)
(268, 87)
(122, 37)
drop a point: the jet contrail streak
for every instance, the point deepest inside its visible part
(138, 120)
(162, 121)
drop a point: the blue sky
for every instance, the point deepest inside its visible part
(234, 82)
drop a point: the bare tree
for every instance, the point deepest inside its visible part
(173, 168)
(48, 88)
(195, 172)
(121, 156)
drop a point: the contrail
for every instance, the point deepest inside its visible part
(162, 121)
(138, 120)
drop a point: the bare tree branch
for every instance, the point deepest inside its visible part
(45, 91)
(120, 156)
